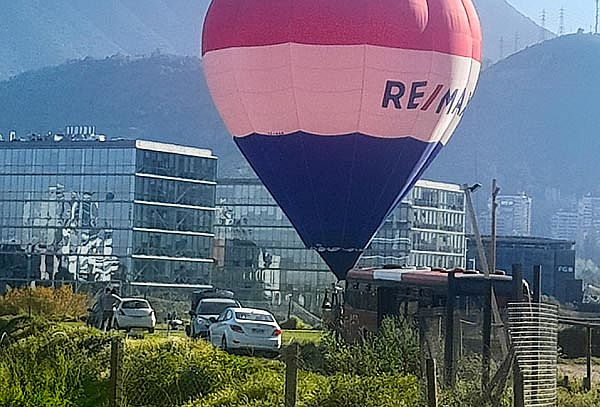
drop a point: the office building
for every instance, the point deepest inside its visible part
(556, 257)
(514, 215)
(259, 254)
(426, 229)
(81, 209)
(564, 225)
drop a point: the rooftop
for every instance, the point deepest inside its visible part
(108, 143)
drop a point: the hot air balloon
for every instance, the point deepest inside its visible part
(339, 106)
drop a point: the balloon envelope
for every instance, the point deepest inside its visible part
(340, 105)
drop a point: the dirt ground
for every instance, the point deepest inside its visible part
(576, 369)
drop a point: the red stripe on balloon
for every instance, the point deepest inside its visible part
(447, 26)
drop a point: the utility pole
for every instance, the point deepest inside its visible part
(471, 211)
(492, 259)
(517, 41)
(501, 47)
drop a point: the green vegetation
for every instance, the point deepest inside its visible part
(67, 365)
(47, 363)
(302, 337)
(50, 303)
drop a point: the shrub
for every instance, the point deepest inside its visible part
(467, 390)
(52, 303)
(266, 389)
(172, 372)
(55, 369)
(394, 349)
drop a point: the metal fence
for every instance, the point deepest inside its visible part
(533, 331)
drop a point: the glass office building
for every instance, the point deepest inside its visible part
(427, 229)
(257, 249)
(88, 211)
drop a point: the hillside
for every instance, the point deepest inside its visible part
(38, 33)
(532, 124)
(501, 22)
(161, 97)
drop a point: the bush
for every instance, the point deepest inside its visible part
(266, 389)
(166, 373)
(55, 369)
(467, 390)
(52, 303)
(393, 350)
(578, 398)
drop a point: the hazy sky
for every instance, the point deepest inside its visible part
(578, 13)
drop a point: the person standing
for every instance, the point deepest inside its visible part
(108, 301)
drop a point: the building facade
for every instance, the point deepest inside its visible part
(427, 229)
(259, 253)
(514, 215)
(556, 257)
(91, 210)
(565, 225)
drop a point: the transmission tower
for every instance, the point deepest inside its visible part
(597, 14)
(517, 41)
(501, 47)
(543, 26)
(561, 25)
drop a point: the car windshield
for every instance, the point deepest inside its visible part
(215, 308)
(249, 316)
(136, 304)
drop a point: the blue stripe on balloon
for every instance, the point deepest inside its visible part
(337, 190)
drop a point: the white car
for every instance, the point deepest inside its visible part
(134, 313)
(246, 328)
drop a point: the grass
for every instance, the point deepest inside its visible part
(302, 336)
(67, 366)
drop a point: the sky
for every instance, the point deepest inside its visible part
(578, 13)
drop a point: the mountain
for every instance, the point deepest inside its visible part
(161, 97)
(532, 124)
(39, 33)
(506, 30)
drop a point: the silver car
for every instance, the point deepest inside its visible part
(207, 311)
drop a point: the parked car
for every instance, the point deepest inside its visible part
(206, 312)
(134, 313)
(246, 328)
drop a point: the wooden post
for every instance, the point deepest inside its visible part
(518, 391)
(449, 334)
(432, 400)
(486, 350)
(588, 354)
(291, 374)
(116, 351)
